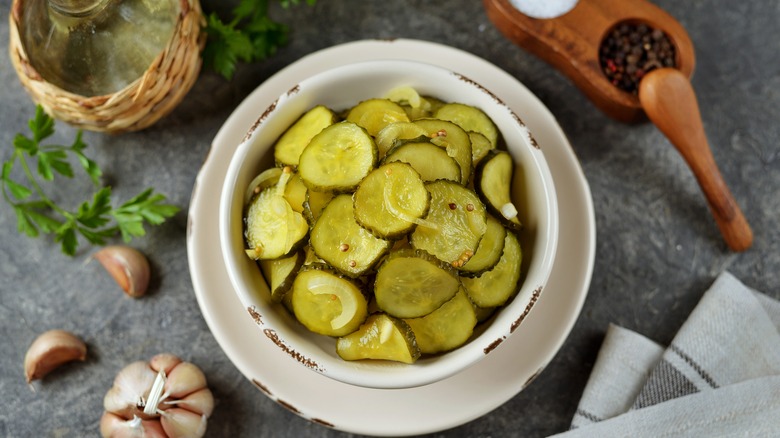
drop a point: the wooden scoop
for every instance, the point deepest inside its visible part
(571, 43)
(669, 101)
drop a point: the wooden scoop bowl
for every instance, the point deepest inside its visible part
(571, 43)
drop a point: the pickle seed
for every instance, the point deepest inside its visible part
(469, 207)
(352, 263)
(344, 247)
(453, 206)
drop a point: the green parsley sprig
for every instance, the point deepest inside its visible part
(249, 37)
(95, 220)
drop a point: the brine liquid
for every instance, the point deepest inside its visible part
(100, 51)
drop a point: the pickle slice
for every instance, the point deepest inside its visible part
(484, 313)
(310, 257)
(496, 286)
(391, 200)
(375, 114)
(262, 181)
(455, 141)
(273, 228)
(295, 192)
(338, 239)
(327, 303)
(280, 273)
(455, 223)
(480, 146)
(493, 183)
(405, 95)
(429, 160)
(390, 134)
(410, 284)
(314, 204)
(415, 105)
(380, 337)
(288, 148)
(447, 327)
(338, 158)
(470, 118)
(428, 105)
(489, 250)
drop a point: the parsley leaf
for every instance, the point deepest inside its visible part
(250, 36)
(94, 220)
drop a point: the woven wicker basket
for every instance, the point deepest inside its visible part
(138, 105)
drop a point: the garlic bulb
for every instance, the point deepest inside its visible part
(165, 398)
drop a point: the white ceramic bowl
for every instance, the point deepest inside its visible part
(341, 88)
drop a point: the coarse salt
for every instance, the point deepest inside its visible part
(544, 8)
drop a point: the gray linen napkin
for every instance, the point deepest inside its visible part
(719, 377)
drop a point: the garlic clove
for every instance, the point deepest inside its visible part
(129, 268)
(165, 362)
(200, 402)
(183, 423)
(114, 426)
(184, 379)
(131, 388)
(50, 350)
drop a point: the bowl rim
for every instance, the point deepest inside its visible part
(380, 374)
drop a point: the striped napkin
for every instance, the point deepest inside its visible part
(719, 377)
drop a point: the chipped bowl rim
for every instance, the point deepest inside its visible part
(342, 87)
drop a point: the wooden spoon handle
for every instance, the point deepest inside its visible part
(670, 102)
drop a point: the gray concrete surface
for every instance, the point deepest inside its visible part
(658, 248)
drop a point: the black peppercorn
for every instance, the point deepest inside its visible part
(630, 50)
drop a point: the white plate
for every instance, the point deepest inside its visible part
(442, 405)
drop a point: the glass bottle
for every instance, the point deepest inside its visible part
(95, 47)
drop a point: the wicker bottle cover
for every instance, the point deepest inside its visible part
(136, 106)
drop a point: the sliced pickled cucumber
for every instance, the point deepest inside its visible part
(280, 273)
(410, 284)
(314, 204)
(455, 141)
(496, 286)
(493, 183)
(327, 303)
(484, 313)
(405, 95)
(295, 192)
(415, 105)
(338, 158)
(429, 160)
(489, 250)
(391, 200)
(470, 118)
(273, 228)
(375, 114)
(390, 134)
(288, 148)
(456, 222)
(480, 146)
(447, 327)
(262, 181)
(381, 337)
(428, 105)
(310, 257)
(338, 239)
